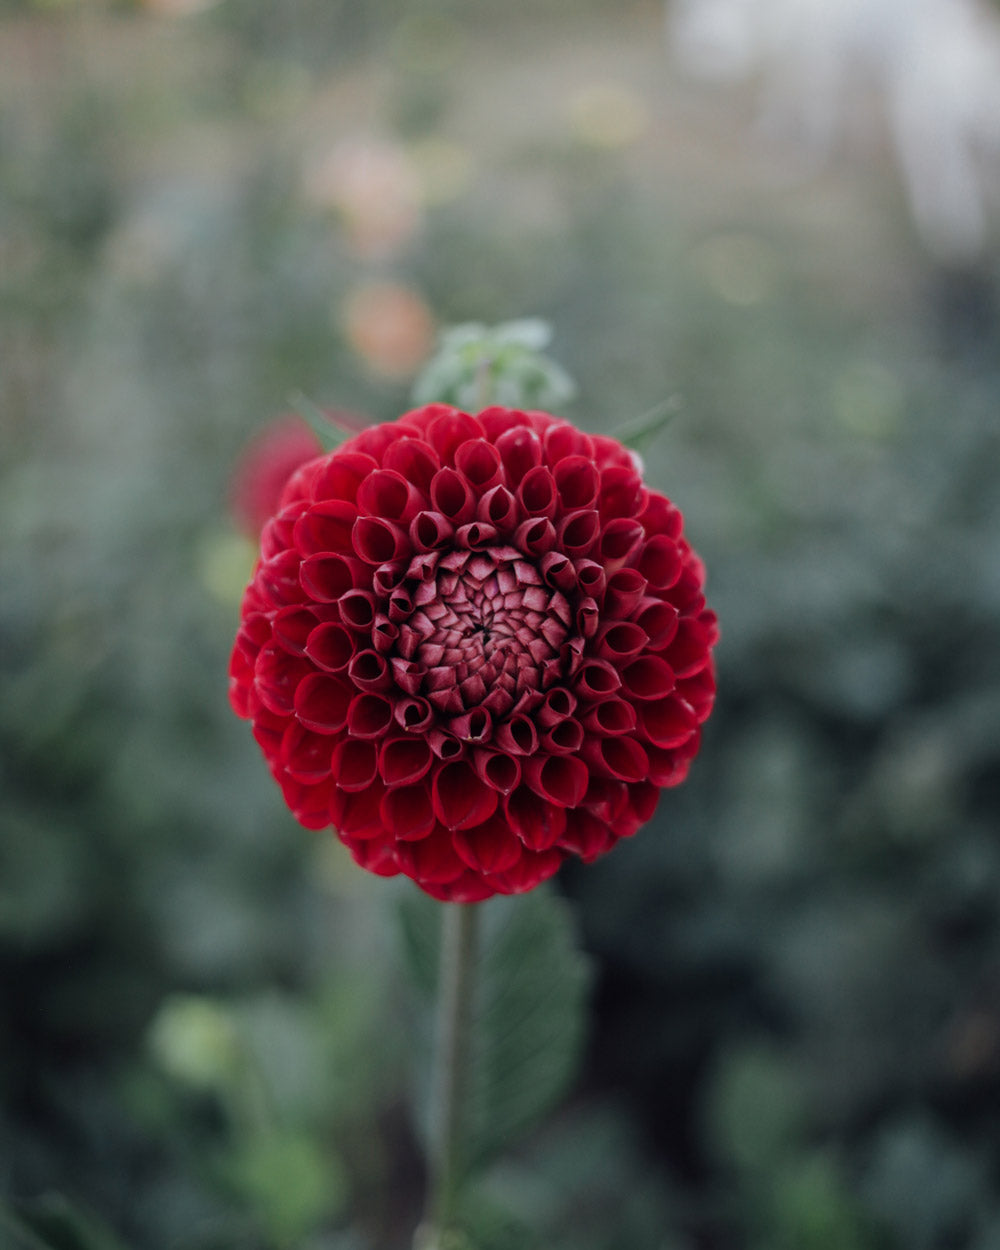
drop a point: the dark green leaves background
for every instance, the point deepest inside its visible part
(208, 1027)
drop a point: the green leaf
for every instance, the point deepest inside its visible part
(640, 431)
(419, 919)
(528, 1010)
(52, 1222)
(322, 423)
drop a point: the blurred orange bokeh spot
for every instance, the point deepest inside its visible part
(390, 326)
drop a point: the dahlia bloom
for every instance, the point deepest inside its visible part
(475, 645)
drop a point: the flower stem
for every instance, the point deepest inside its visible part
(484, 383)
(459, 926)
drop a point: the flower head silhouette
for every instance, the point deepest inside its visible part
(475, 645)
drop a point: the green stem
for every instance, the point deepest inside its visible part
(459, 925)
(484, 383)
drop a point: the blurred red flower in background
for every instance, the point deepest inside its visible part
(271, 458)
(265, 466)
(475, 645)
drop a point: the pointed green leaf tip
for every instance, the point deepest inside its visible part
(477, 365)
(640, 431)
(322, 423)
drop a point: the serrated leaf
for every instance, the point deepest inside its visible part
(418, 920)
(52, 1222)
(528, 1011)
(529, 1024)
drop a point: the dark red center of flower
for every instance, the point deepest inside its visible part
(472, 634)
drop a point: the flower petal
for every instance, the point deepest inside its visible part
(586, 836)
(306, 756)
(355, 764)
(414, 460)
(430, 531)
(389, 495)
(310, 805)
(559, 779)
(327, 527)
(577, 482)
(520, 450)
(452, 497)
(330, 646)
(489, 847)
(378, 541)
(499, 771)
(530, 870)
(369, 715)
(356, 814)
(660, 562)
(322, 702)
(447, 432)
(326, 575)
(479, 463)
(431, 859)
(648, 677)
(277, 675)
(537, 493)
(620, 757)
(408, 813)
(403, 761)
(667, 722)
(538, 825)
(610, 716)
(460, 798)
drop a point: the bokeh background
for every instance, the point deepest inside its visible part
(781, 216)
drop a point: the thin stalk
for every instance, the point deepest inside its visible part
(459, 926)
(484, 383)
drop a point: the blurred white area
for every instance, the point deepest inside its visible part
(924, 72)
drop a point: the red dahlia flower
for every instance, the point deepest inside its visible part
(475, 645)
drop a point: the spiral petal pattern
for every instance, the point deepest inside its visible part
(474, 645)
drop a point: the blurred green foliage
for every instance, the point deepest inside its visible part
(205, 1034)
(475, 366)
